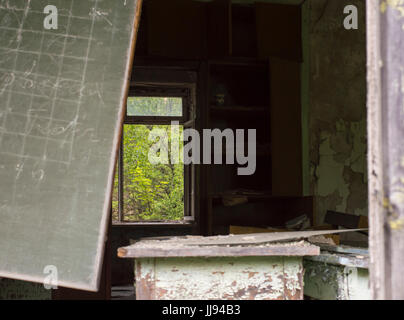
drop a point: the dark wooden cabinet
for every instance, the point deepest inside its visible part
(238, 98)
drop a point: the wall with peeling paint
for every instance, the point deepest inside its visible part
(335, 282)
(337, 113)
(22, 290)
(220, 278)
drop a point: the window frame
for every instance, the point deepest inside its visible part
(187, 120)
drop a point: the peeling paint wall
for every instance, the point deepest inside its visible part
(239, 278)
(335, 282)
(22, 290)
(337, 112)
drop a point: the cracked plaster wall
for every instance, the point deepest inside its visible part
(337, 115)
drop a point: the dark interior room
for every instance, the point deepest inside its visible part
(200, 149)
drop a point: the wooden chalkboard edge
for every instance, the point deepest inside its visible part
(114, 156)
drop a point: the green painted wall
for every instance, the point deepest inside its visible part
(22, 290)
(337, 112)
(335, 282)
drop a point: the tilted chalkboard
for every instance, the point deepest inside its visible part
(62, 94)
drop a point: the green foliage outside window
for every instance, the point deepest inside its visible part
(151, 191)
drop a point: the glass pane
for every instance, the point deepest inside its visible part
(154, 106)
(151, 191)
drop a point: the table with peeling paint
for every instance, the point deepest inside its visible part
(177, 271)
(338, 274)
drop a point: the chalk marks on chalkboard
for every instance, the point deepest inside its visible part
(36, 125)
(6, 79)
(61, 95)
(100, 14)
(30, 69)
(12, 5)
(63, 88)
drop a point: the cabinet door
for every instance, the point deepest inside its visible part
(279, 31)
(176, 29)
(286, 136)
(219, 29)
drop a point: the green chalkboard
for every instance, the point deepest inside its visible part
(62, 94)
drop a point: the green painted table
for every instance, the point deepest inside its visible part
(190, 270)
(338, 274)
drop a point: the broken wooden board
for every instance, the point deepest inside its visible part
(269, 244)
(344, 249)
(336, 277)
(144, 249)
(348, 260)
(246, 239)
(62, 100)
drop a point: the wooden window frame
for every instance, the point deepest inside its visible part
(187, 120)
(385, 98)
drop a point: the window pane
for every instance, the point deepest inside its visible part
(151, 191)
(154, 106)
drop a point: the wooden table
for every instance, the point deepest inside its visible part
(221, 268)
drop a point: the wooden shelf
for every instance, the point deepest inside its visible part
(262, 150)
(247, 195)
(240, 61)
(239, 109)
(245, 84)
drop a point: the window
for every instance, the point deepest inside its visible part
(146, 190)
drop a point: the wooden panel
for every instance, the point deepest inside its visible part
(279, 31)
(286, 135)
(345, 220)
(385, 41)
(266, 244)
(171, 78)
(172, 251)
(176, 28)
(244, 30)
(61, 109)
(246, 230)
(219, 29)
(273, 212)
